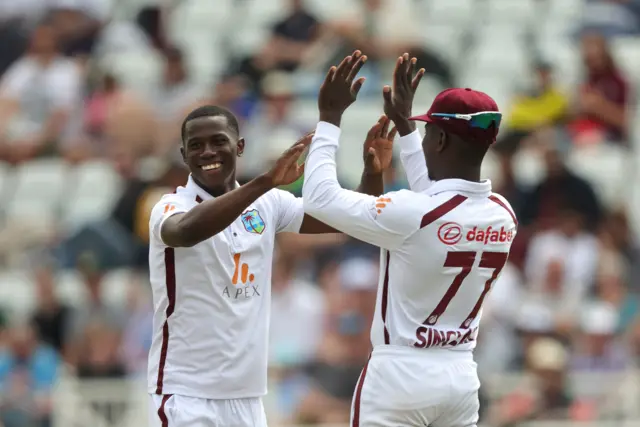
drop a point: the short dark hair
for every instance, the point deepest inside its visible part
(211, 111)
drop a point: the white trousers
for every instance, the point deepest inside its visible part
(183, 411)
(403, 386)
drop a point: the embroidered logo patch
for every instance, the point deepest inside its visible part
(253, 222)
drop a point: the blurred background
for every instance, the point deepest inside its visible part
(92, 94)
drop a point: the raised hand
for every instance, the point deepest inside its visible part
(287, 170)
(398, 98)
(340, 88)
(378, 147)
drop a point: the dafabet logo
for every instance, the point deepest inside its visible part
(242, 281)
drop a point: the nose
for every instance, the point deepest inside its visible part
(208, 152)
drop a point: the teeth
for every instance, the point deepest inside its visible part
(212, 166)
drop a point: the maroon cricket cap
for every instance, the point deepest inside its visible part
(462, 101)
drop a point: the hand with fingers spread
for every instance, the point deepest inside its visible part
(287, 169)
(340, 88)
(378, 147)
(398, 98)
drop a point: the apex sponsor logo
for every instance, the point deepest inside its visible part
(489, 235)
(242, 281)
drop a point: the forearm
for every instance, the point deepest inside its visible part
(612, 114)
(212, 216)
(371, 184)
(53, 127)
(8, 109)
(413, 161)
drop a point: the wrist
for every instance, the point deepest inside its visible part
(368, 172)
(332, 117)
(404, 125)
(264, 182)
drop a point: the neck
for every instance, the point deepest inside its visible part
(218, 191)
(467, 174)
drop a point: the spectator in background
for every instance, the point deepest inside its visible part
(384, 29)
(543, 105)
(78, 25)
(28, 371)
(271, 122)
(560, 189)
(40, 95)
(136, 340)
(544, 394)
(561, 267)
(597, 348)
(297, 326)
(51, 317)
(603, 99)
(290, 40)
(612, 17)
(94, 326)
(497, 350)
(173, 99)
(344, 349)
(612, 278)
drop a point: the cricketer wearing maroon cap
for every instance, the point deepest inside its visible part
(462, 125)
(443, 245)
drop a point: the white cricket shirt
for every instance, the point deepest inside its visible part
(212, 300)
(443, 244)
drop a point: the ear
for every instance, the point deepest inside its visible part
(443, 141)
(240, 147)
(184, 158)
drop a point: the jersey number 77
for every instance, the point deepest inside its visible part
(465, 260)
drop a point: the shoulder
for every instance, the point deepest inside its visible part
(277, 198)
(504, 204)
(178, 198)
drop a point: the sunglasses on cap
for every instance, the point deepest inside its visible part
(482, 120)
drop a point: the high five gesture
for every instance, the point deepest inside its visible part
(340, 88)
(398, 98)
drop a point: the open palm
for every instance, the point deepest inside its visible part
(378, 147)
(287, 168)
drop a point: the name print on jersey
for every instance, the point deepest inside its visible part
(451, 233)
(242, 281)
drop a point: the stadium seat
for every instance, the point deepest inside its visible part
(627, 53)
(17, 292)
(528, 167)
(456, 12)
(509, 12)
(71, 289)
(325, 10)
(115, 287)
(40, 187)
(97, 188)
(6, 176)
(135, 71)
(607, 167)
(499, 49)
(445, 39)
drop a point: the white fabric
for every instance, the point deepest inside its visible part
(395, 392)
(413, 263)
(183, 411)
(218, 331)
(41, 90)
(414, 162)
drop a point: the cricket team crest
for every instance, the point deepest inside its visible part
(253, 222)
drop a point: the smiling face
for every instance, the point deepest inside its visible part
(210, 148)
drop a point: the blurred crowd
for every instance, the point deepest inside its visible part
(566, 305)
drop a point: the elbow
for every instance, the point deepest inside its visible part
(313, 199)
